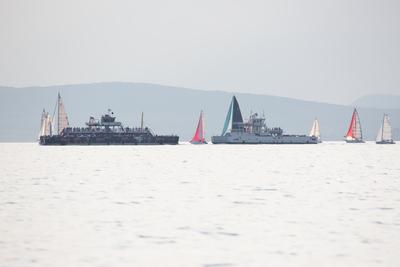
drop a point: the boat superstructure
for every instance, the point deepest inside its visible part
(315, 130)
(106, 131)
(385, 132)
(254, 131)
(354, 133)
(198, 137)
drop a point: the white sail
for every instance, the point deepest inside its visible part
(315, 129)
(385, 131)
(42, 124)
(379, 136)
(46, 125)
(357, 131)
(62, 120)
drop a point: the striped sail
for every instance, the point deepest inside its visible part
(62, 121)
(385, 131)
(354, 133)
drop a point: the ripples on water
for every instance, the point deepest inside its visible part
(212, 206)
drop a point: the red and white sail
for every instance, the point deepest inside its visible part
(354, 133)
(198, 137)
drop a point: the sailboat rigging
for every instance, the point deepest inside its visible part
(385, 132)
(354, 133)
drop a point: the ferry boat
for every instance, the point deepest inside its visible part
(354, 133)
(107, 131)
(254, 131)
(385, 132)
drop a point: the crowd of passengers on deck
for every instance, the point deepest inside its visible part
(100, 129)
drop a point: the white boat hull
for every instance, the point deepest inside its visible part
(247, 138)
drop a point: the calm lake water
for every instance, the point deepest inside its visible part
(332, 204)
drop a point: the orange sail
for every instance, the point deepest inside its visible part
(198, 137)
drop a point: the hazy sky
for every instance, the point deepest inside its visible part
(331, 51)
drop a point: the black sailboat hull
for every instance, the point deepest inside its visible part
(355, 141)
(385, 142)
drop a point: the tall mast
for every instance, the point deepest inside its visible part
(202, 126)
(383, 126)
(141, 122)
(355, 133)
(58, 113)
(358, 121)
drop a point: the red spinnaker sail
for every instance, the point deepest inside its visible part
(352, 127)
(199, 136)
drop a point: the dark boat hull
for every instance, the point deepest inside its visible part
(385, 142)
(109, 139)
(355, 141)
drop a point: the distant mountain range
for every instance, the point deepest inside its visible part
(175, 110)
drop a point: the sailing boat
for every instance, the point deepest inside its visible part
(385, 132)
(354, 134)
(45, 125)
(315, 131)
(198, 137)
(234, 119)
